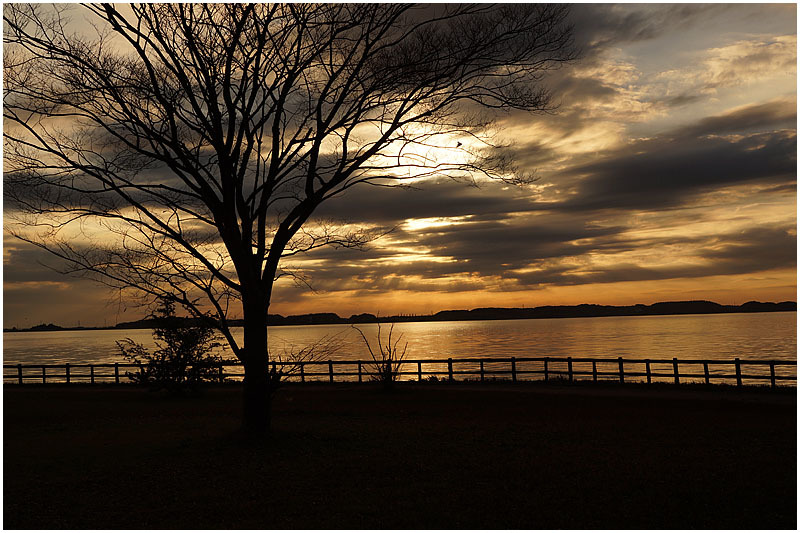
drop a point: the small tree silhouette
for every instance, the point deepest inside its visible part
(183, 358)
(388, 359)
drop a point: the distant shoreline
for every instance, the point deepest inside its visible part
(696, 307)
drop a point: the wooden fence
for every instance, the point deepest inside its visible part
(516, 368)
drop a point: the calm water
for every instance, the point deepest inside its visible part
(723, 336)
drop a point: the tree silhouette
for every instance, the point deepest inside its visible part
(181, 150)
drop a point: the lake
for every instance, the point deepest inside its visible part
(715, 336)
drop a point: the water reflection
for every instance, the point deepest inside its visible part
(761, 336)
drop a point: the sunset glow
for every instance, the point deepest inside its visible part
(667, 172)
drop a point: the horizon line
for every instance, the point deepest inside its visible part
(428, 315)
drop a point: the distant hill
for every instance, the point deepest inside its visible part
(693, 307)
(46, 327)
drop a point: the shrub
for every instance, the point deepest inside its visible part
(184, 356)
(291, 358)
(388, 359)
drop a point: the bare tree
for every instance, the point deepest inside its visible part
(193, 142)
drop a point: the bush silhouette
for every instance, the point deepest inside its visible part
(184, 356)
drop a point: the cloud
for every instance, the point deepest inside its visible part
(748, 60)
(533, 251)
(745, 64)
(768, 116)
(496, 247)
(436, 197)
(599, 27)
(669, 170)
(611, 92)
(25, 263)
(753, 249)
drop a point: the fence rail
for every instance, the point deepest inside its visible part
(517, 368)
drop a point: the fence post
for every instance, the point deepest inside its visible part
(513, 369)
(419, 371)
(772, 373)
(19, 373)
(360, 377)
(221, 374)
(91, 374)
(302, 372)
(705, 371)
(738, 372)
(675, 371)
(482, 374)
(647, 370)
(330, 370)
(569, 368)
(621, 370)
(66, 372)
(594, 371)
(450, 368)
(44, 374)
(116, 373)
(546, 374)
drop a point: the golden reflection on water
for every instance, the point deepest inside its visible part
(760, 336)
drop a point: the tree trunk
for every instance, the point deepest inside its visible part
(256, 400)
(256, 408)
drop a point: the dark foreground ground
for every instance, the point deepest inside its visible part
(423, 456)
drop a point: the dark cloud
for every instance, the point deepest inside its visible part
(756, 143)
(666, 173)
(768, 116)
(495, 256)
(682, 100)
(24, 263)
(599, 26)
(478, 248)
(782, 189)
(431, 198)
(492, 248)
(576, 89)
(753, 250)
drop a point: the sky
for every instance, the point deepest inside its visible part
(668, 172)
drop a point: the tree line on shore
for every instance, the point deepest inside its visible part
(483, 313)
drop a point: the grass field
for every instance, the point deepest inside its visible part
(423, 456)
